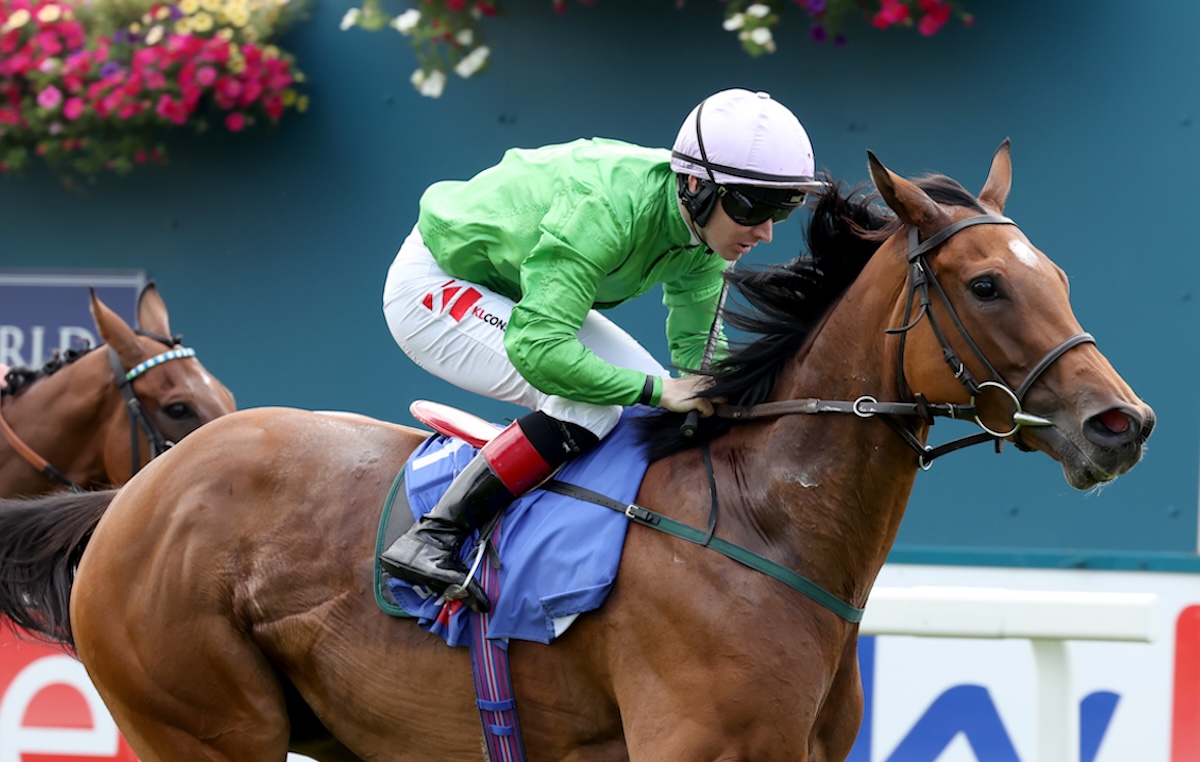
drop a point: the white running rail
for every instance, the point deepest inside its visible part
(1048, 619)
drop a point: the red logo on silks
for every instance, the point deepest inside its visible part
(438, 301)
(49, 710)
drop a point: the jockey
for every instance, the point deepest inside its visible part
(497, 290)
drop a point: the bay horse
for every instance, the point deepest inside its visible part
(223, 605)
(91, 418)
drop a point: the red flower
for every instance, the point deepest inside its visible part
(273, 105)
(235, 121)
(9, 41)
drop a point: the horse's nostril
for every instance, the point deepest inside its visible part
(1114, 427)
(1115, 421)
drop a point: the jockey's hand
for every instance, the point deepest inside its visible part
(679, 395)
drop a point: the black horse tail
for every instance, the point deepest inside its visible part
(41, 542)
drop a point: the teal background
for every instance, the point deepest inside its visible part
(270, 247)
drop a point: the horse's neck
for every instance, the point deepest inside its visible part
(839, 484)
(66, 418)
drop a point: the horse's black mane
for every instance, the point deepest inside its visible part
(19, 378)
(785, 302)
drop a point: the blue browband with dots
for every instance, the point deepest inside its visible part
(174, 354)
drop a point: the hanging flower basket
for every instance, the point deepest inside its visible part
(447, 36)
(94, 87)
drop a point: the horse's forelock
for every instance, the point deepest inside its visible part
(947, 190)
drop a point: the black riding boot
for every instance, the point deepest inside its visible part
(427, 554)
(520, 458)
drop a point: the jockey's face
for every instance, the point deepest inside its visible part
(727, 238)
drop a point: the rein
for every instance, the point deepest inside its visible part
(920, 276)
(138, 417)
(866, 406)
(706, 538)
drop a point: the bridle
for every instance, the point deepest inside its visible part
(138, 417)
(920, 276)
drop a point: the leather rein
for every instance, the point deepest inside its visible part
(137, 415)
(920, 277)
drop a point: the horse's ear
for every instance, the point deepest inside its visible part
(116, 332)
(911, 204)
(999, 180)
(152, 313)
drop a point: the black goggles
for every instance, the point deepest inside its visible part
(750, 205)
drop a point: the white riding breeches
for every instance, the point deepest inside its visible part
(454, 329)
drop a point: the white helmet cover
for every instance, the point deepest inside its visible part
(738, 137)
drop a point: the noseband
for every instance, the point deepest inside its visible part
(920, 276)
(138, 417)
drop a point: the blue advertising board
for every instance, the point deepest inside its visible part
(43, 312)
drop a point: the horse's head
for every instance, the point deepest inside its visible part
(997, 327)
(177, 396)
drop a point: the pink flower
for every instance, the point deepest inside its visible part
(215, 50)
(21, 63)
(154, 79)
(49, 43)
(171, 109)
(250, 92)
(50, 98)
(277, 75)
(929, 25)
(206, 75)
(146, 57)
(191, 97)
(229, 86)
(937, 13)
(235, 121)
(73, 108)
(890, 12)
(273, 105)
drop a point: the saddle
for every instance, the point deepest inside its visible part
(555, 556)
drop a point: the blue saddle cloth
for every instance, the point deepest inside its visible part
(558, 555)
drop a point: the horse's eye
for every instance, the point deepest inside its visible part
(984, 288)
(177, 411)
